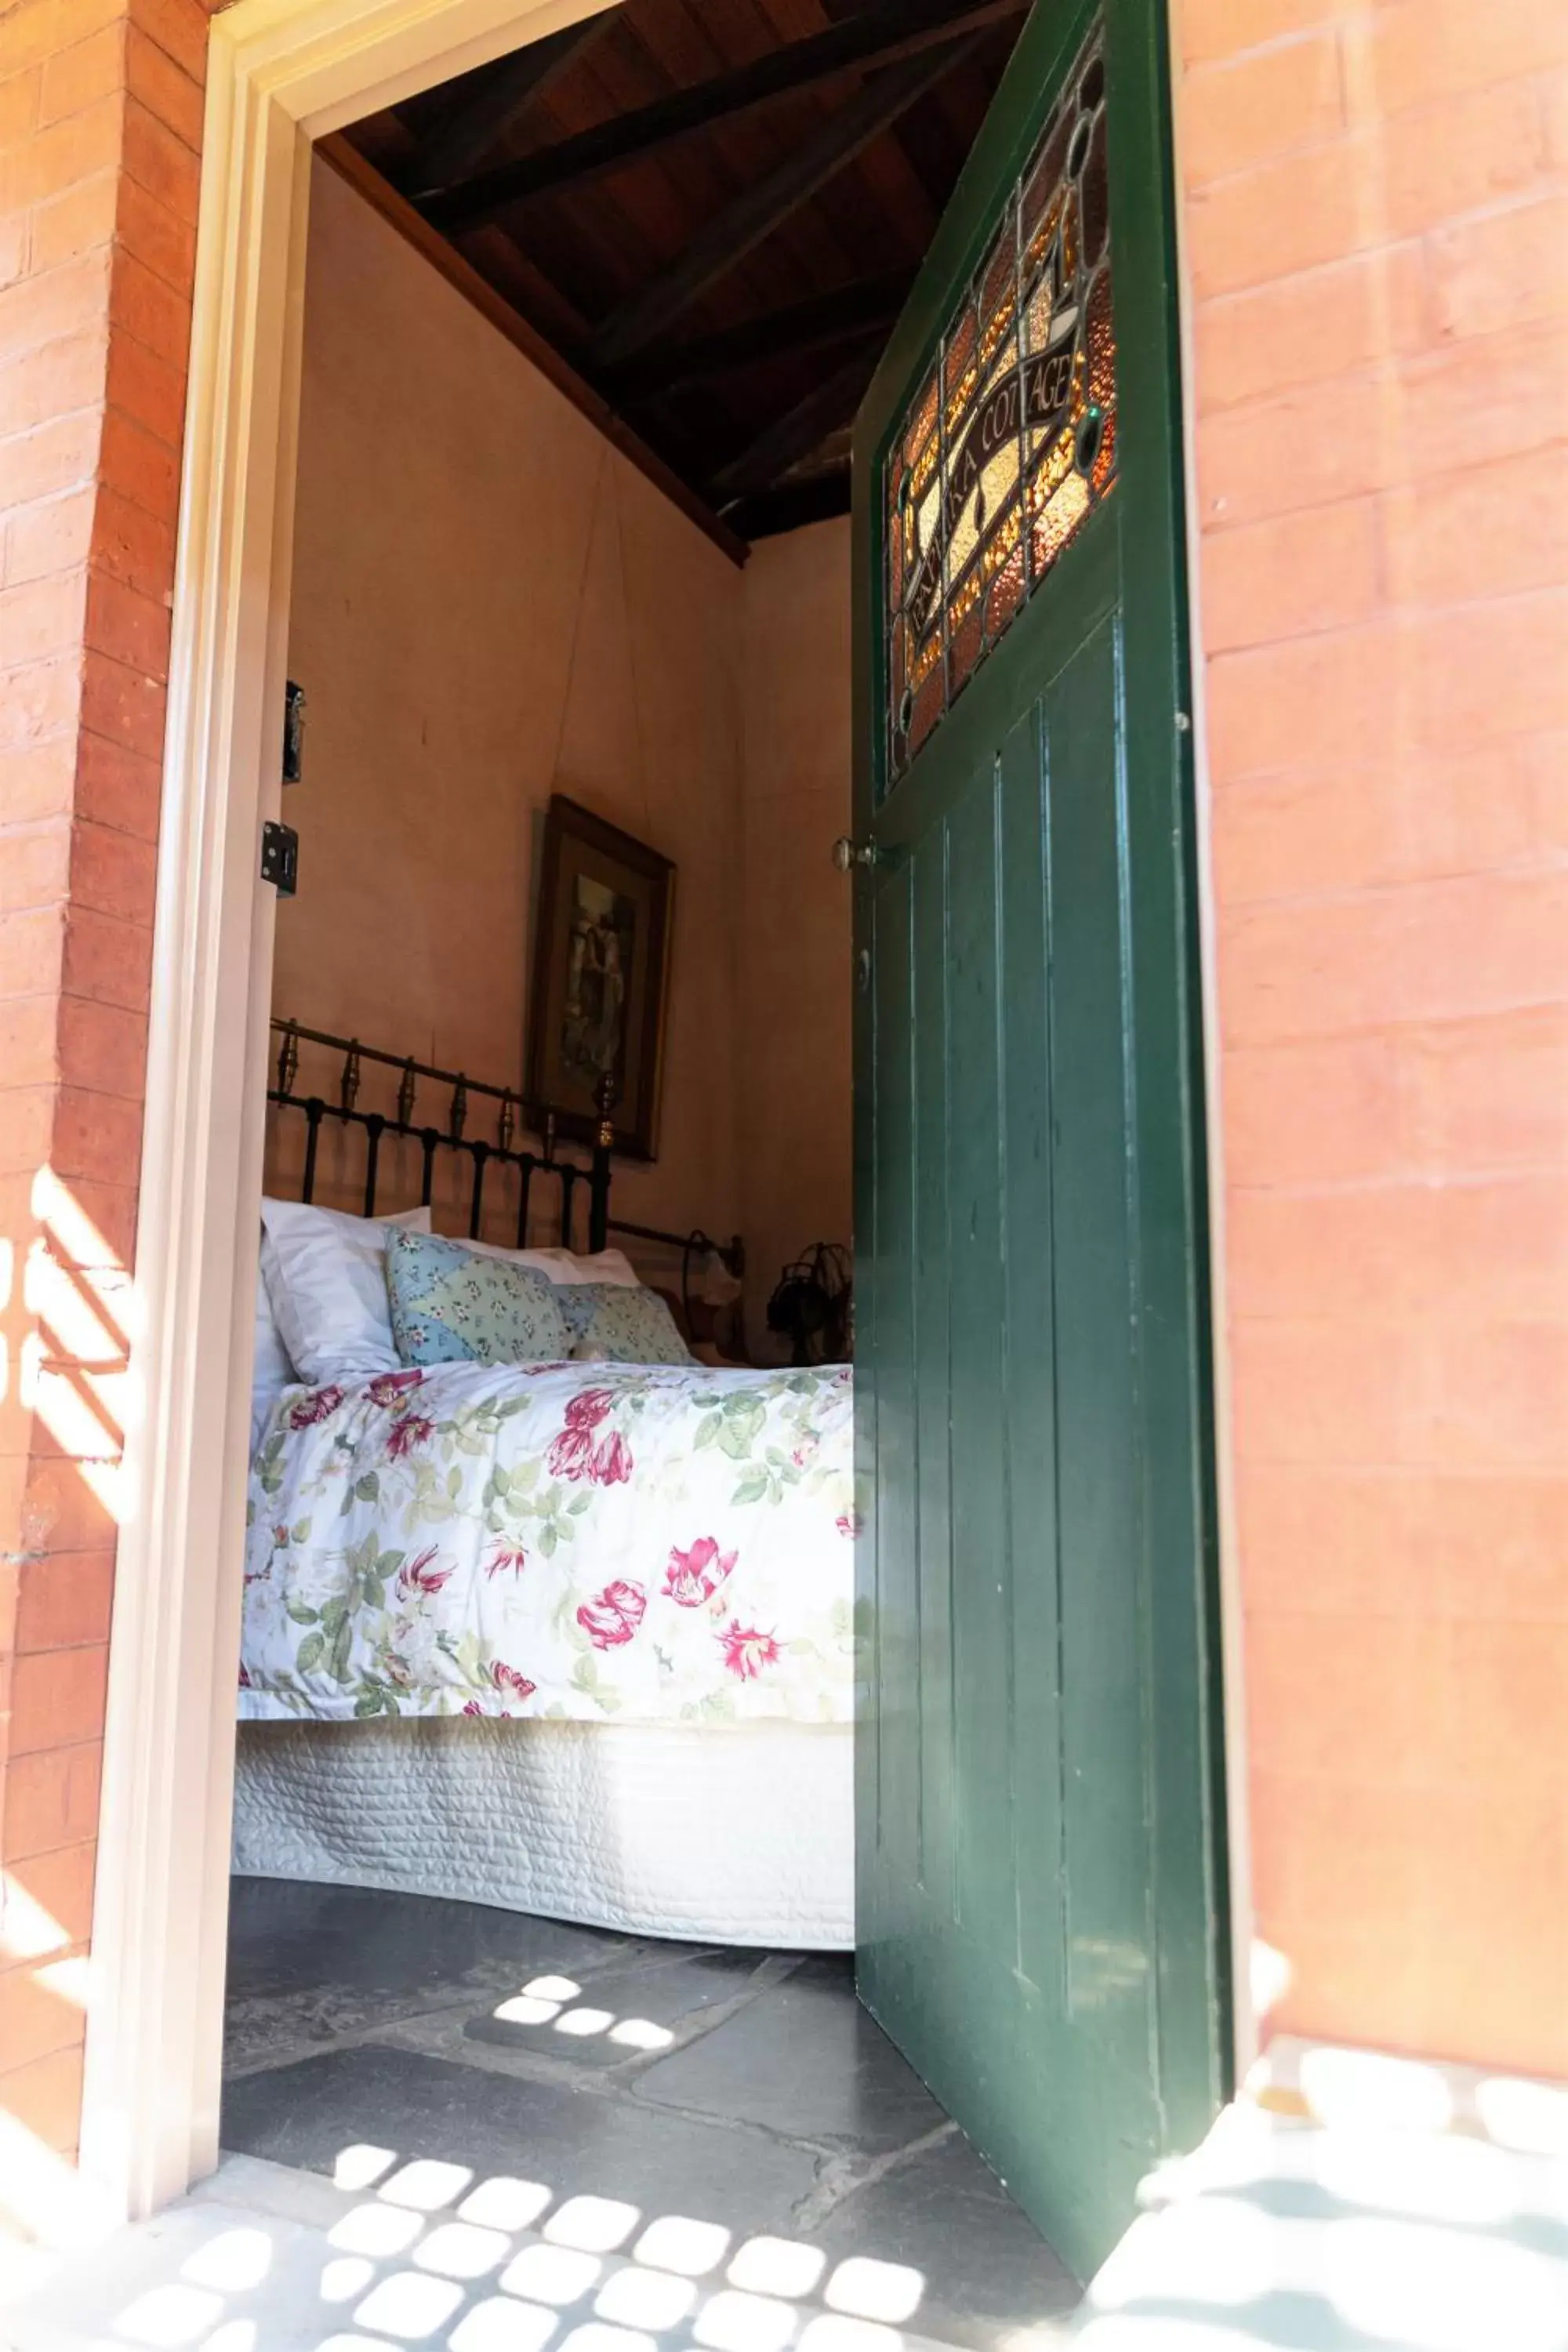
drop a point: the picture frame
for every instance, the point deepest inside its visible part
(597, 1007)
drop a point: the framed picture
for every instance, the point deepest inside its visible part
(600, 953)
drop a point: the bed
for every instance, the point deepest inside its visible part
(569, 1637)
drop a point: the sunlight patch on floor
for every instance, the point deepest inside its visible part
(1284, 2233)
(427, 2253)
(597, 2224)
(545, 2001)
(1277, 2234)
(360, 2166)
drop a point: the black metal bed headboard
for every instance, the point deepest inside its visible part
(574, 1177)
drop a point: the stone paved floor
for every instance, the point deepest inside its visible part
(696, 2148)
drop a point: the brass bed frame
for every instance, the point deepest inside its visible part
(591, 1180)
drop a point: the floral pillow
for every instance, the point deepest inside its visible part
(451, 1306)
(612, 1325)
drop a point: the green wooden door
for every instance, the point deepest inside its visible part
(1041, 1870)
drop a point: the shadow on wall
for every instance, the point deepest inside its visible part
(67, 1324)
(794, 1081)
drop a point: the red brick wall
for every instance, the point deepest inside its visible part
(100, 110)
(1376, 217)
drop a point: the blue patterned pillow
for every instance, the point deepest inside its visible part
(451, 1306)
(612, 1325)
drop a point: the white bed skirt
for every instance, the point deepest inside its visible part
(737, 1833)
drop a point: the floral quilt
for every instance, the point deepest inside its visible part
(655, 1543)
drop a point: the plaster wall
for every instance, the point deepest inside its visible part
(794, 1080)
(490, 604)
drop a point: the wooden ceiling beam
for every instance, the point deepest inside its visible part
(792, 436)
(885, 34)
(519, 278)
(863, 308)
(819, 498)
(478, 122)
(754, 216)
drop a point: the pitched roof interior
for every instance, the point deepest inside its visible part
(727, 282)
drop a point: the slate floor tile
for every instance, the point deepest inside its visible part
(307, 1963)
(803, 2059)
(942, 2213)
(781, 2168)
(285, 1935)
(622, 2015)
(483, 2125)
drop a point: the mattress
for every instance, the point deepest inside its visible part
(738, 1833)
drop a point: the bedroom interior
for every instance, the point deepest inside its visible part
(491, 603)
(550, 1635)
(1200, 1803)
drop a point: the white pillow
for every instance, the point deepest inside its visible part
(561, 1265)
(326, 1275)
(271, 1372)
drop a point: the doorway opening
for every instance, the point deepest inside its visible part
(574, 750)
(498, 606)
(537, 678)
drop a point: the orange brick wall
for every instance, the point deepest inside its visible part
(1377, 221)
(100, 109)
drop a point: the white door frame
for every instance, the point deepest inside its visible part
(280, 73)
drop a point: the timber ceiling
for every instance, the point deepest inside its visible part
(712, 210)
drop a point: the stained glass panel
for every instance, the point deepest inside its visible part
(1010, 439)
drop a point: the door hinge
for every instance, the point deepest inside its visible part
(281, 857)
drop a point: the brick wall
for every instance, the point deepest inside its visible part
(1377, 227)
(100, 109)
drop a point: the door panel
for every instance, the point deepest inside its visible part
(972, 1375)
(1105, 1858)
(898, 1624)
(933, 1648)
(1040, 1875)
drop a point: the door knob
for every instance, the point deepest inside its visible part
(848, 853)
